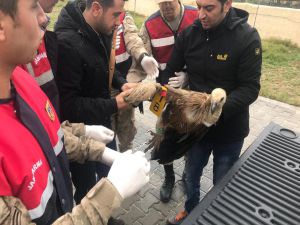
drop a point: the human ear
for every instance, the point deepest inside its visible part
(2, 27)
(97, 9)
(227, 5)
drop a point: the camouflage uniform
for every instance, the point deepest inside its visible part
(123, 122)
(95, 208)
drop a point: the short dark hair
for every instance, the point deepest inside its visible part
(104, 3)
(222, 1)
(9, 7)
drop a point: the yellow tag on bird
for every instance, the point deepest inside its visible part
(159, 101)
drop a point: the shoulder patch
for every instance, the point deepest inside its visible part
(257, 51)
(50, 111)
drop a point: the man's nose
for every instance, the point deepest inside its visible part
(117, 22)
(202, 13)
(43, 19)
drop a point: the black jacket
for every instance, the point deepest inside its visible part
(82, 76)
(50, 88)
(229, 56)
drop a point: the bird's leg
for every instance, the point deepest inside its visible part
(142, 92)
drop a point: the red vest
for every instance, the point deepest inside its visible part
(162, 37)
(121, 53)
(32, 156)
(40, 70)
(40, 67)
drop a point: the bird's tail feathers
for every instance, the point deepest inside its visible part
(154, 142)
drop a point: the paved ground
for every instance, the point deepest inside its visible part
(145, 208)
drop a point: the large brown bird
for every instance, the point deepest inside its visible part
(185, 119)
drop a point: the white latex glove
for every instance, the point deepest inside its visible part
(129, 173)
(150, 66)
(180, 80)
(99, 133)
(109, 156)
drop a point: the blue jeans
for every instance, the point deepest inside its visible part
(225, 155)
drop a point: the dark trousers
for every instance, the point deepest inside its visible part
(85, 176)
(225, 155)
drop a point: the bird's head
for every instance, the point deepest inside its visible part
(218, 99)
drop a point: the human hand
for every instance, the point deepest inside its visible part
(128, 86)
(180, 80)
(109, 156)
(150, 66)
(129, 173)
(99, 133)
(121, 103)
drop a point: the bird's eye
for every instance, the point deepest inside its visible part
(222, 99)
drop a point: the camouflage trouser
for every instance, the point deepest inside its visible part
(124, 127)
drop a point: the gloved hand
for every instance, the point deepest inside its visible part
(180, 80)
(150, 66)
(99, 133)
(109, 156)
(129, 173)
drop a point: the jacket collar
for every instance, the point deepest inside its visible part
(71, 18)
(233, 18)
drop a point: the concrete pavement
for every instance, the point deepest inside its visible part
(145, 207)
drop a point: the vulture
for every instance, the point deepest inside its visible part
(185, 119)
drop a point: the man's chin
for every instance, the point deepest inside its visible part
(205, 26)
(106, 32)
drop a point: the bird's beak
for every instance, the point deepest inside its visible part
(213, 107)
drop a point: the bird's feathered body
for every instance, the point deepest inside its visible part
(185, 119)
(185, 109)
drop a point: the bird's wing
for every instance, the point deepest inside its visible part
(142, 92)
(158, 136)
(174, 94)
(188, 109)
(174, 141)
(154, 142)
(183, 123)
(174, 145)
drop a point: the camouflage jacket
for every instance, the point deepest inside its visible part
(135, 47)
(98, 204)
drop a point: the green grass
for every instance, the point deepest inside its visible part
(280, 70)
(139, 19)
(55, 13)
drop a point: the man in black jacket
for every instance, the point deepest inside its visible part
(84, 31)
(219, 50)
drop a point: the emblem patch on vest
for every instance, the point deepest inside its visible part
(221, 57)
(50, 111)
